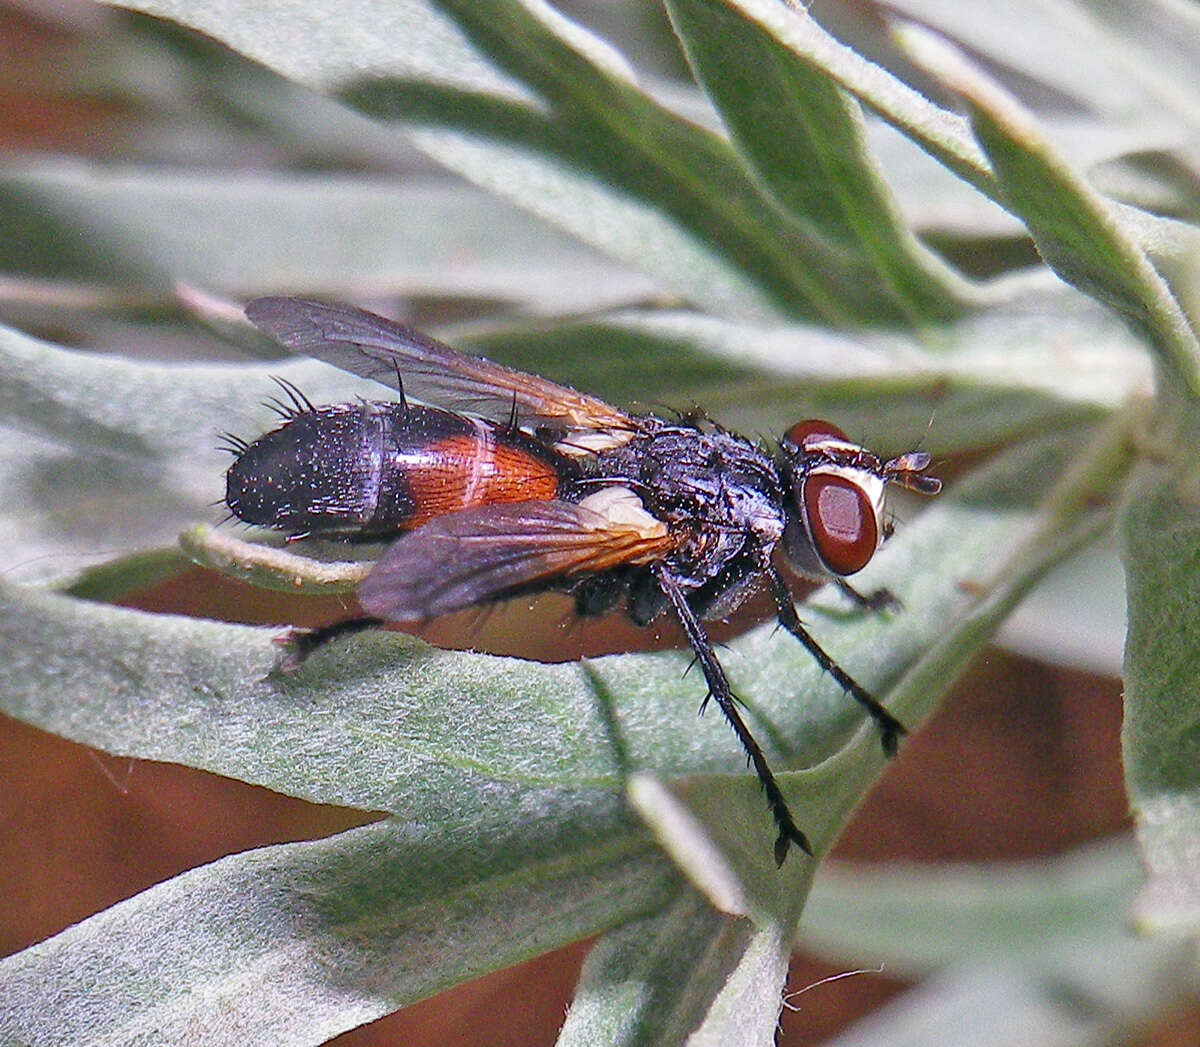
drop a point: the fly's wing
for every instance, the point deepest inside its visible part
(380, 349)
(486, 553)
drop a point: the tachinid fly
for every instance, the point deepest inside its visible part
(518, 485)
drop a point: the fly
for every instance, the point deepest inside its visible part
(518, 485)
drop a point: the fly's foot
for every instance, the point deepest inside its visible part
(891, 731)
(789, 834)
(876, 601)
(299, 643)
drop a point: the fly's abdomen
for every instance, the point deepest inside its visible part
(439, 462)
(316, 474)
(370, 470)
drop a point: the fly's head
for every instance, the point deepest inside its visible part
(835, 499)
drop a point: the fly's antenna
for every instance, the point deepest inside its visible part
(908, 469)
(899, 470)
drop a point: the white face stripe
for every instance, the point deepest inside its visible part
(832, 445)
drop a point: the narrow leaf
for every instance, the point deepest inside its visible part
(1080, 234)
(652, 981)
(1090, 995)
(293, 944)
(919, 918)
(944, 135)
(804, 140)
(582, 147)
(1160, 545)
(1122, 60)
(259, 233)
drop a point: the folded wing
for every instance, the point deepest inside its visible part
(494, 551)
(389, 352)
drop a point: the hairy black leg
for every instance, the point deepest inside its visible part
(720, 692)
(890, 728)
(300, 643)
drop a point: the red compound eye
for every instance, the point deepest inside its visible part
(812, 431)
(841, 521)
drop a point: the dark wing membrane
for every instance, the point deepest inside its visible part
(483, 554)
(386, 351)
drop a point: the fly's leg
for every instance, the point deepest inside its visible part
(720, 692)
(300, 643)
(878, 600)
(890, 728)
